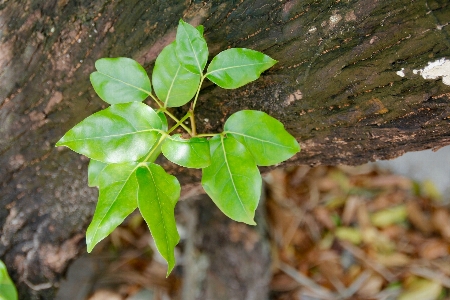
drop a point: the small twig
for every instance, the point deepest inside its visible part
(306, 282)
(339, 286)
(388, 293)
(38, 287)
(430, 274)
(356, 284)
(359, 254)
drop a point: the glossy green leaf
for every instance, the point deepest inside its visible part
(120, 133)
(164, 123)
(200, 29)
(151, 156)
(264, 136)
(191, 153)
(157, 196)
(191, 48)
(173, 84)
(214, 142)
(236, 67)
(117, 199)
(233, 181)
(120, 80)
(94, 169)
(7, 288)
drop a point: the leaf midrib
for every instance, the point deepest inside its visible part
(235, 67)
(232, 179)
(126, 83)
(171, 85)
(160, 211)
(113, 135)
(258, 139)
(115, 199)
(192, 49)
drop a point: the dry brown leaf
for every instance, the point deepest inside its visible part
(371, 287)
(283, 282)
(350, 209)
(323, 217)
(441, 222)
(434, 248)
(418, 218)
(393, 260)
(363, 216)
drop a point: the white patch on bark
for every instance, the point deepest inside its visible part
(401, 73)
(297, 95)
(436, 69)
(334, 19)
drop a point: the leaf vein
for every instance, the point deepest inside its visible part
(235, 67)
(126, 83)
(171, 86)
(258, 139)
(232, 179)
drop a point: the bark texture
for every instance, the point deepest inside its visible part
(335, 87)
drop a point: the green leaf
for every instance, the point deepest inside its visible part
(200, 29)
(120, 133)
(165, 125)
(264, 136)
(191, 153)
(236, 67)
(94, 169)
(120, 80)
(191, 48)
(173, 84)
(233, 181)
(7, 288)
(157, 196)
(117, 199)
(214, 142)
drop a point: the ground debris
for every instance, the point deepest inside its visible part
(356, 233)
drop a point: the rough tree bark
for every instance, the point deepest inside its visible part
(335, 87)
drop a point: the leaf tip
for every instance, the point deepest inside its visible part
(169, 269)
(251, 222)
(60, 143)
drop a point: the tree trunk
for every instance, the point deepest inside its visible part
(345, 86)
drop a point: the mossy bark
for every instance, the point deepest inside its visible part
(335, 88)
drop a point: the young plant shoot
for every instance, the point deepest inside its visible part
(8, 290)
(124, 140)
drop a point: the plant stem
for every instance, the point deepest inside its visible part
(198, 92)
(156, 151)
(207, 134)
(163, 109)
(156, 100)
(180, 122)
(192, 119)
